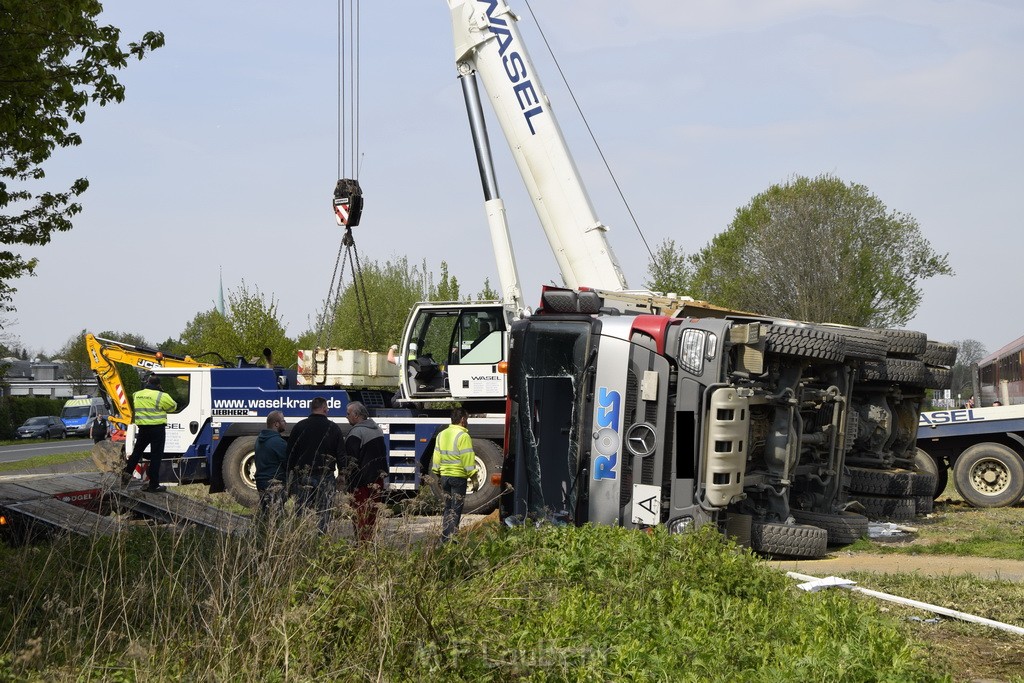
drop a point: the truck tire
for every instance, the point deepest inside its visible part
(923, 462)
(108, 456)
(989, 475)
(924, 505)
(886, 507)
(481, 494)
(937, 353)
(905, 343)
(899, 370)
(788, 540)
(881, 482)
(843, 528)
(804, 342)
(860, 343)
(937, 378)
(240, 471)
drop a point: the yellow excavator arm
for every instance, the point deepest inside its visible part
(104, 353)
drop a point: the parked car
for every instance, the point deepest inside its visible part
(42, 427)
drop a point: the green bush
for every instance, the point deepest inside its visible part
(14, 410)
(548, 604)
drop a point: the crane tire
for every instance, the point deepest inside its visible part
(483, 497)
(240, 471)
(881, 482)
(861, 343)
(905, 343)
(989, 475)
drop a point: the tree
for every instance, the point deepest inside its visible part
(488, 293)
(819, 249)
(250, 323)
(391, 289)
(75, 357)
(54, 60)
(969, 352)
(669, 270)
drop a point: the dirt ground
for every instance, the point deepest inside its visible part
(838, 562)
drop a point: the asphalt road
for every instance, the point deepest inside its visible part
(30, 448)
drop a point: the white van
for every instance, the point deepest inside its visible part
(80, 412)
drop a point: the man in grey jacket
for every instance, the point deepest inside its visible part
(365, 468)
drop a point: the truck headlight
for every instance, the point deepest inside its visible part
(680, 525)
(691, 351)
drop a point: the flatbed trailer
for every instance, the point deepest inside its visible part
(982, 447)
(81, 504)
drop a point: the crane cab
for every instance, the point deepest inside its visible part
(451, 351)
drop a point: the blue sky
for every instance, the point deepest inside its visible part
(224, 155)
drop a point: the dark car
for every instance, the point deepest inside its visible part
(42, 427)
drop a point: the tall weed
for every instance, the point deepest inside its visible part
(548, 604)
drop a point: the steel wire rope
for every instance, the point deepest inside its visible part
(586, 123)
(348, 150)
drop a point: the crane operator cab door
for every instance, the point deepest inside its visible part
(453, 351)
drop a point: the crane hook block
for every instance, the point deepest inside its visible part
(348, 202)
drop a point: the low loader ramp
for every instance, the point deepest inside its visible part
(80, 504)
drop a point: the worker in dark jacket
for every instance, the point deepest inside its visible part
(365, 468)
(314, 448)
(271, 464)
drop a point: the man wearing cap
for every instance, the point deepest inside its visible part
(151, 408)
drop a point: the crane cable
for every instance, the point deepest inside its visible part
(586, 123)
(348, 156)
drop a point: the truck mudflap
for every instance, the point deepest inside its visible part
(726, 442)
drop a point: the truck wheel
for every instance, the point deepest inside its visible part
(940, 354)
(860, 342)
(905, 343)
(804, 342)
(989, 475)
(886, 507)
(789, 540)
(843, 528)
(481, 494)
(108, 456)
(240, 471)
(925, 463)
(900, 370)
(937, 378)
(881, 482)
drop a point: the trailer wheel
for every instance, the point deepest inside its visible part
(843, 528)
(788, 540)
(925, 463)
(240, 471)
(989, 475)
(481, 494)
(804, 342)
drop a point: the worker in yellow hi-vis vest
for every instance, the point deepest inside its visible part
(454, 462)
(151, 408)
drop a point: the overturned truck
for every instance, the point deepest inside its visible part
(782, 433)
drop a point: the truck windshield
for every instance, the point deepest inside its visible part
(547, 390)
(75, 412)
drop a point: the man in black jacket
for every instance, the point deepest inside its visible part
(365, 468)
(314, 448)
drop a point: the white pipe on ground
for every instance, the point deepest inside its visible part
(955, 614)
